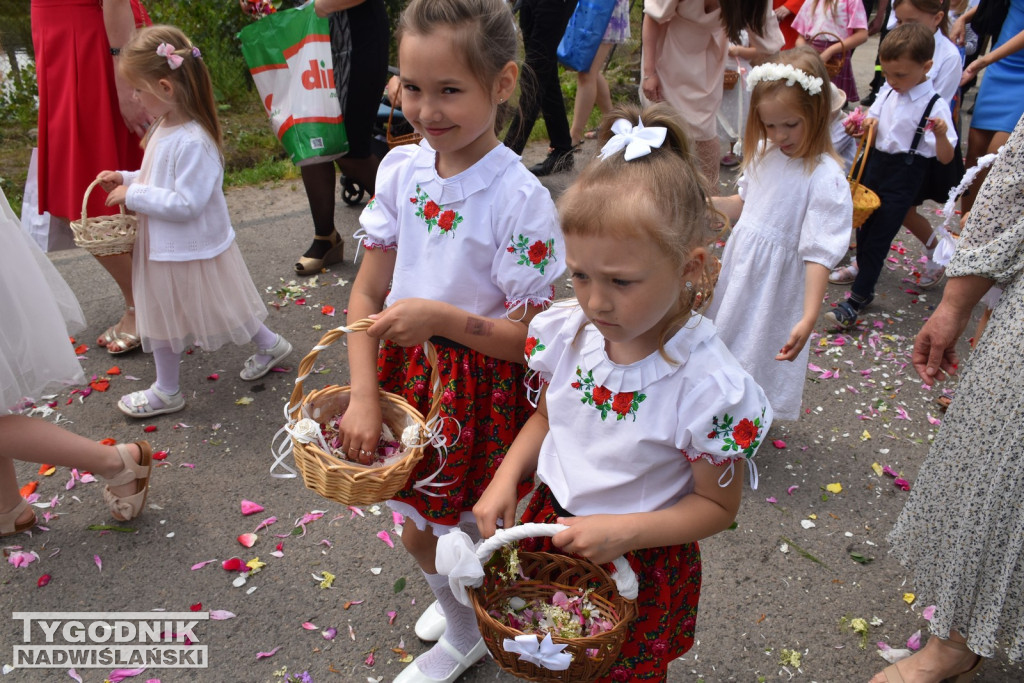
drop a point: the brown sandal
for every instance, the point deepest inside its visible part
(129, 507)
(9, 524)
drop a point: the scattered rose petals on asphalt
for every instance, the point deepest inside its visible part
(247, 540)
(309, 626)
(200, 565)
(779, 443)
(221, 614)
(391, 617)
(928, 612)
(792, 488)
(98, 561)
(149, 429)
(235, 564)
(43, 580)
(271, 653)
(771, 499)
(914, 642)
(902, 484)
(213, 377)
(251, 508)
(21, 558)
(386, 537)
(330, 633)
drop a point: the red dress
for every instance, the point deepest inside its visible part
(81, 131)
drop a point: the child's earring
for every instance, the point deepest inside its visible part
(689, 286)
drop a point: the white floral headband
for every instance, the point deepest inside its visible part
(637, 140)
(784, 72)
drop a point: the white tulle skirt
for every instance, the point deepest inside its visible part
(38, 311)
(208, 302)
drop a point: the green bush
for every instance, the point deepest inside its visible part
(213, 27)
(18, 103)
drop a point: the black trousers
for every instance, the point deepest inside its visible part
(543, 22)
(896, 178)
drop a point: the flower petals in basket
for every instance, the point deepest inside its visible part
(104, 235)
(325, 470)
(550, 581)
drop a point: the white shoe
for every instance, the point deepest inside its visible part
(412, 673)
(931, 275)
(254, 369)
(430, 625)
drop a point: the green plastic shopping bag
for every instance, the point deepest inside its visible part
(289, 56)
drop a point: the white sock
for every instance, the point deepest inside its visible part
(461, 630)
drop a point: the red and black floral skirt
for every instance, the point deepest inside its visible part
(485, 399)
(667, 605)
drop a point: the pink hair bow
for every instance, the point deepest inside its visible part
(167, 50)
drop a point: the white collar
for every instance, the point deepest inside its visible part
(636, 376)
(478, 177)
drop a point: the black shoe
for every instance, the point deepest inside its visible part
(869, 100)
(557, 161)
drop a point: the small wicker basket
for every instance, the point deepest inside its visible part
(104, 235)
(412, 138)
(549, 573)
(340, 480)
(834, 65)
(730, 79)
(865, 201)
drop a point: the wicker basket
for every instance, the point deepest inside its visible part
(548, 574)
(865, 201)
(340, 480)
(104, 235)
(834, 65)
(730, 79)
(412, 138)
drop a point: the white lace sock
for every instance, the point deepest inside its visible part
(461, 630)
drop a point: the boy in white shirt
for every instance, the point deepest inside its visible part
(914, 124)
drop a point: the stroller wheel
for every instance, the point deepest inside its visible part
(352, 192)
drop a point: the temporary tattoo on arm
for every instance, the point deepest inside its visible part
(481, 327)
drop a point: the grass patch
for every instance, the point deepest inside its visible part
(265, 171)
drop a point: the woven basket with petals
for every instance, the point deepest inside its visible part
(104, 235)
(730, 79)
(344, 481)
(592, 656)
(834, 65)
(865, 201)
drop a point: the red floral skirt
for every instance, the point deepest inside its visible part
(667, 605)
(486, 401)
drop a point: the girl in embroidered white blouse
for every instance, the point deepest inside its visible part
(644, 419)
(191, 284)
(460, 246)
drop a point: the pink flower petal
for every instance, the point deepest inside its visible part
(779, 443)
(261, 655)
(118, 675)
(902, 484)
(771, 499)
(883, 646)
(265, 523)
(200, 565)
(391, 617)
(386, 537)
(247, 540)
(309, 626)
(928, 612)
(330, 633)
(234, 565)
(914, 642)
(890, 471)
(251, 508)
(99, 564)
(221, 614)
(934, 420)
(74, 675)
(792, 488)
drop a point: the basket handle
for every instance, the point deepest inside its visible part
(85, 200)
(306, 367)
(860, 159)
(453, 559)
(842, 45)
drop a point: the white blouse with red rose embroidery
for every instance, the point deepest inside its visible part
(622, 437)
(486, 240)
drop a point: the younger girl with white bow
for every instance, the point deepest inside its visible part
(792, 221)
(191, 284)
(644, 418)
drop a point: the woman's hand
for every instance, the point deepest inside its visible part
(360, 431)
(599, 538)
(782, 12)
(651, 86)
(958, 31)
(109, 179)
(972, 69)
(935, 357)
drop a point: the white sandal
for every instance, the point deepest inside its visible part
(137, 405)
(254, 369)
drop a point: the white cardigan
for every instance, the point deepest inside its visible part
(183, 200)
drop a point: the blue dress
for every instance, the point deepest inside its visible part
(1000, 100)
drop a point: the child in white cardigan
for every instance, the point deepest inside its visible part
(191, 284)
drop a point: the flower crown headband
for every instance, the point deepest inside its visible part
(784, 72)
(174, 60)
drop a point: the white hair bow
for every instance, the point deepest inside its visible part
(637, 140)
(166, 50)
